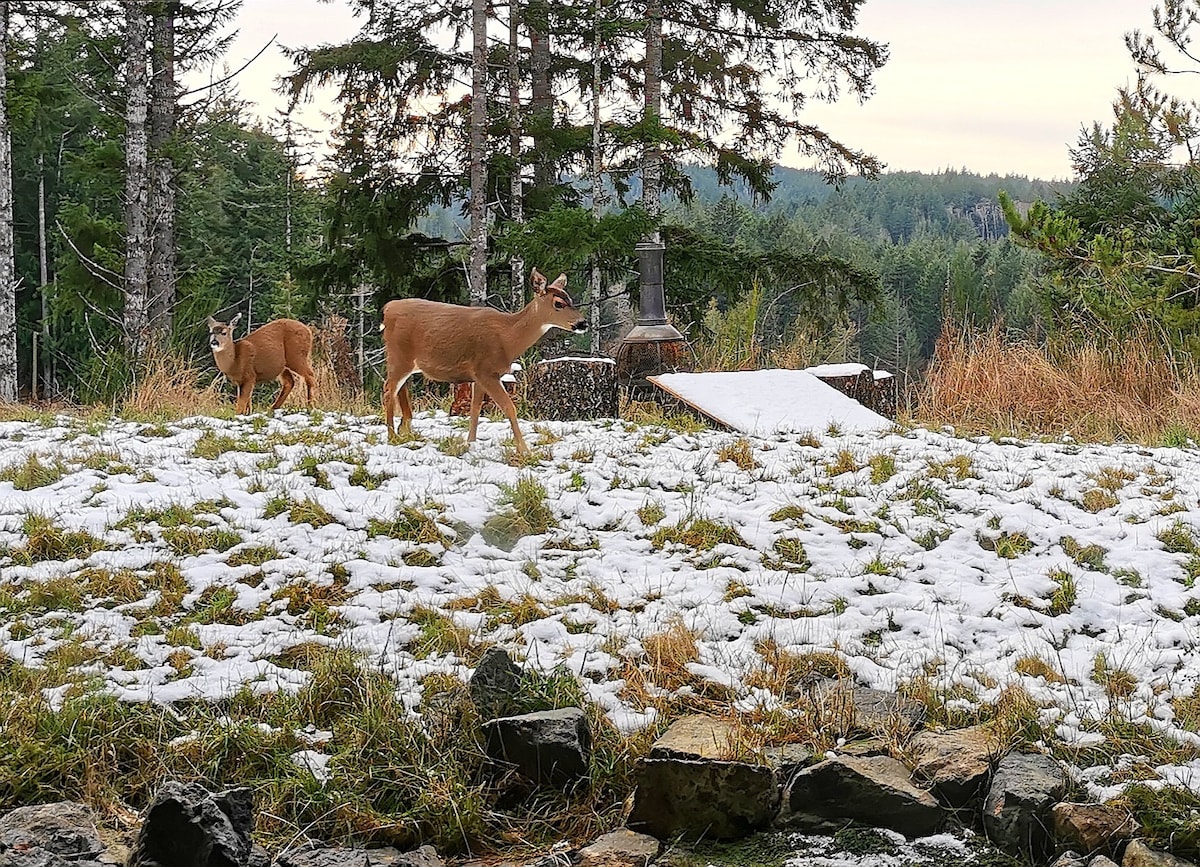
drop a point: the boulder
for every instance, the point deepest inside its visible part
(493, 684)
(1138, 854)
(875, 790)
(875, 711)
(698, 736)
(1016, 812)
(50, 835)
(336, 856)
(188, 826)
(1092, 827)
(954, 764)
(550, 747)
(620, 848)
(702, 798)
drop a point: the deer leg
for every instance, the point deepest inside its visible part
(391, 390)
(245, 393)
(476, 408)
(406, 412)
(310, 383)
(495, 389)
(286, 383)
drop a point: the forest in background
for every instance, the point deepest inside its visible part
(237, 216)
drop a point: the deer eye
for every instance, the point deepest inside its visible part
(558, 305)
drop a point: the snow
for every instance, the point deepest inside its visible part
(764, 402)
(908, 577)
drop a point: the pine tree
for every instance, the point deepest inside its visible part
(8, 273)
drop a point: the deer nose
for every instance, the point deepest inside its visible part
(580, 327)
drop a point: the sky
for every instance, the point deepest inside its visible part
(992, 86)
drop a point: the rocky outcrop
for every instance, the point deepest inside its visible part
(1090, 828)
(620, 848)
(702, 798)
(188, 826)
(52, 835)
(955, 764)
(335, 856)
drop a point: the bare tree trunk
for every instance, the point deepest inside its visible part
(43, 278)
(162, 172)
(516, 193)
(8, 270)
(651, 153)
(137, 235)
(477, 276)
(597, 179)
(541, 95)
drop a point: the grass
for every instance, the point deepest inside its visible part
(33, 473)
(1131, 390)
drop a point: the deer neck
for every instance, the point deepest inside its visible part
(227, 359)
(527, 327)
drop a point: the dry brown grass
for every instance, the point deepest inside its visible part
(984, 383)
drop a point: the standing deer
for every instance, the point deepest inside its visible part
(452, 343)
(278, 350)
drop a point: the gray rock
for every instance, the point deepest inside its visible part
(187, 826)
(336, 856)
(702, 798)
(620, 848)
(65, 828)
(1016, 812)
(494, 683)
(787, 760)
(1138, 854)
(1091, 828)
(698, 736)
(954, 764)
(1069, 858)
(875, 790)
(551, 747)
(1102, 861)
(874, 711)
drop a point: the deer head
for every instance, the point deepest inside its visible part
(554, 305)
(220, 334)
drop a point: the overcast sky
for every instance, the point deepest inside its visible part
(998, 86)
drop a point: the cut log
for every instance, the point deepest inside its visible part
(572, 388)
(877, 390)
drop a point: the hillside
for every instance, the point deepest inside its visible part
(194, 560)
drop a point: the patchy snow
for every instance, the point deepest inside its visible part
(764, 402)
(931, 556)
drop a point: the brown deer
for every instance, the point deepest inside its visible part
(280, 350)
(452, 343)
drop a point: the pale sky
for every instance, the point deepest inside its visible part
(1000, 86)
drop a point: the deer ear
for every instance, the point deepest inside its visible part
(212, 323)
(235, 320)
(560, 282)
(538, 281)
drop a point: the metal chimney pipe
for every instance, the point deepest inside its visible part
(652, 306)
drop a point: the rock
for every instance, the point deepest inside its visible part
(1102, 861)
(187, 826)
(1069, 858)
(65, 828)
(567, 389)
(553, 747)
(1016, 812)
(620, 848)
(336, 856)
(865, 748)
(875, 790)
(1138, 854)
(1092, 827)
(875, 711)
(698, 736)
(954, 764)
(787, 760)
(493, 684)
(702, 798)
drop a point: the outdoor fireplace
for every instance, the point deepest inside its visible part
(652, 346)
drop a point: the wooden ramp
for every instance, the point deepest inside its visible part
(765, 402)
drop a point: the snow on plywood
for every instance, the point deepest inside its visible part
(764, 402)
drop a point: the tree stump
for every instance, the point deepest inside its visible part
(570, 388)
(877, 390)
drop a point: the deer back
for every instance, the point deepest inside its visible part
(276, 345)
(451, 342)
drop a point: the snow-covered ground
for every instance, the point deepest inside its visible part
(931, 555)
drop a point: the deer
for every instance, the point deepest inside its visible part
(454, 343)
(280, 350)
